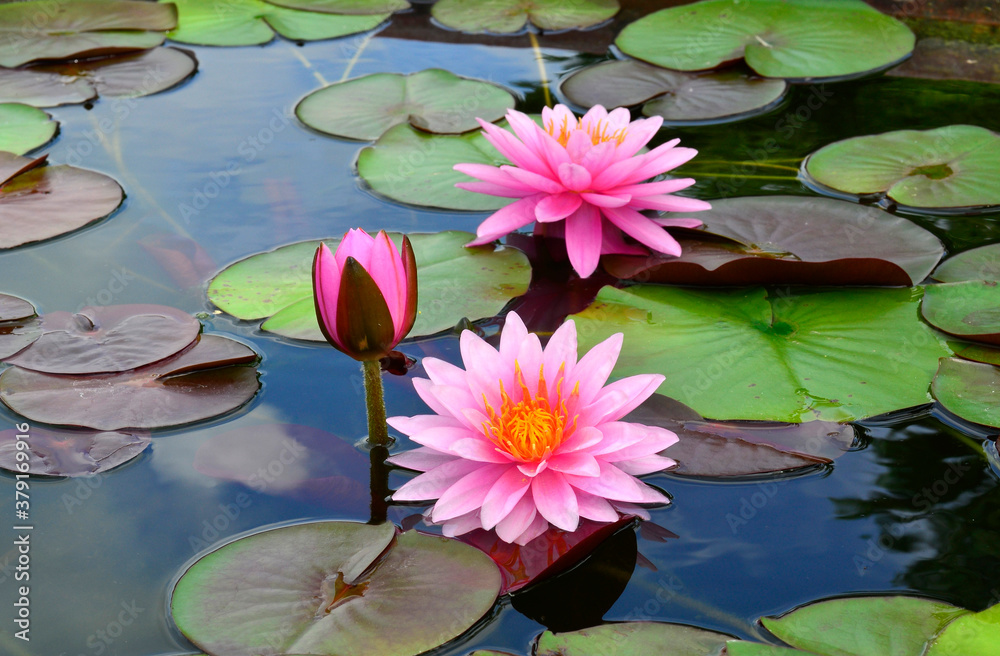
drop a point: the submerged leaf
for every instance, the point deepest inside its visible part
(70, 453)
(506, 16)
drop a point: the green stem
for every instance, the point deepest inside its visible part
(378, 433)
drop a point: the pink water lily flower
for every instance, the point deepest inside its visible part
(525, 437)
(584, 173)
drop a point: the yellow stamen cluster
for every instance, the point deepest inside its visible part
(598, 132)
(533, 427)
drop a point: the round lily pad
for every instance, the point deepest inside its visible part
(951, 168)
(506, 16)
(975, 633)
(454, 282)
(680, 98)
(779, 355)
(40, 202)
(710, 449)
(56, 29)
(15, 308)
(796, 39)
(864, 626)
(68, 452)
(24, 128)
(633, 639)
(204, 381)
(344, 6)
(131, 75)
(107, 339)
(976, 352)
(433, 100)
(743, 648)
(412, 166)
(793, 240)
(970, 309)
(253, 22)
(970, 390)
(19, 325)
(981, 263)
(334, 588)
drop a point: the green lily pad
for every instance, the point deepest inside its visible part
(779, 356)
(796, 39)
(791, 240)
(864, 626)
(71, 453)
(334, 588)
(56, 29)
(204, 381)
(970, 390)
(344, 6)
(454, 282)
(970, 309)
(24, 128)
(976, 633)
(506, 16)
(412, 166)
(981, 263)
(433, 100)
(633, 639)
(951, 168)
(41, 202)
(253, 22)
(976, 352)
(130, 75)
(742, 648)
(680, 98)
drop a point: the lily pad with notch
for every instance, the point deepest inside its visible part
(40, 202)
(209, 379)
(433, 100)
(952, 169)
(975, 633)
(333, 588)
(19, 325)
(15, 308)
(791, 240)
(796, 356)
(106, 339)
(970, 390)
(254, 22)
(729, 450)
(362, 7)
(507, 16)
(71, 452)
(970, 309)
(633, 639)
(24, 128)
(454, 282)
(792, 39)
(680, 98)
(79, 29)
(129, 75)
(981, 263)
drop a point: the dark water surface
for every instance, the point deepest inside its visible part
(914, 508)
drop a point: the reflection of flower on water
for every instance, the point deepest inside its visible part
(514, 450)
(581, 179)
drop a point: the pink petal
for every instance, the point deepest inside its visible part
(645, 465)
(658, 187)
(555, 500)
(517, 521)
(487, 369)
(541, 183)
(386, 269)
(594, 368)
(574, 177)
(514, 332)
(493, 190)
(506, 219)
(612, 242)
(560, 352)
(599, 157)
(528, 132)
(414, 425)
(660, 163)
(467, 493)
(642, 229)
(595, 508)
(639, 134)
(460, 525)
(678, 223)
(536, 528)
(480, 450)
(444, 373)
(668, 203)
(512, 148)
(580, 463)
(612, 484)
(655, 440)
(606, 200)
(357, 244)
(326, 285)
(494, 175)
(557, 206)
(503, 496)
(623, 171)
(431, 394)
(441, 439)
(420, 459)
(432, 484)
(620, 435)
(594, 115)
(583, 239)
(533, 469)
(584, 437)
(529, 359)
(633, 390)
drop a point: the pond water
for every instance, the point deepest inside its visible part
(914, 507)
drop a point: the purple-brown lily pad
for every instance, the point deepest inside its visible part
(107, 339)
(40, 202)
(19, 325)
(69, 452)
(130, 75)
(792, 240)
(713, 449)
(15, 308)
(289, 460)
(206, 380)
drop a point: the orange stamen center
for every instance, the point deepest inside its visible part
(598, 132)
(533, 427)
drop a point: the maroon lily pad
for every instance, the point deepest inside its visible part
(40, 202)
(107, 339)
(204, 381)
(132, 75)
(69, 452)
(792, 240)
(712, 449)
(15, 308)
(187, 263)
(300, 462)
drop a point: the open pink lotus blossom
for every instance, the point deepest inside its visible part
(527, 437)
(585, 173)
